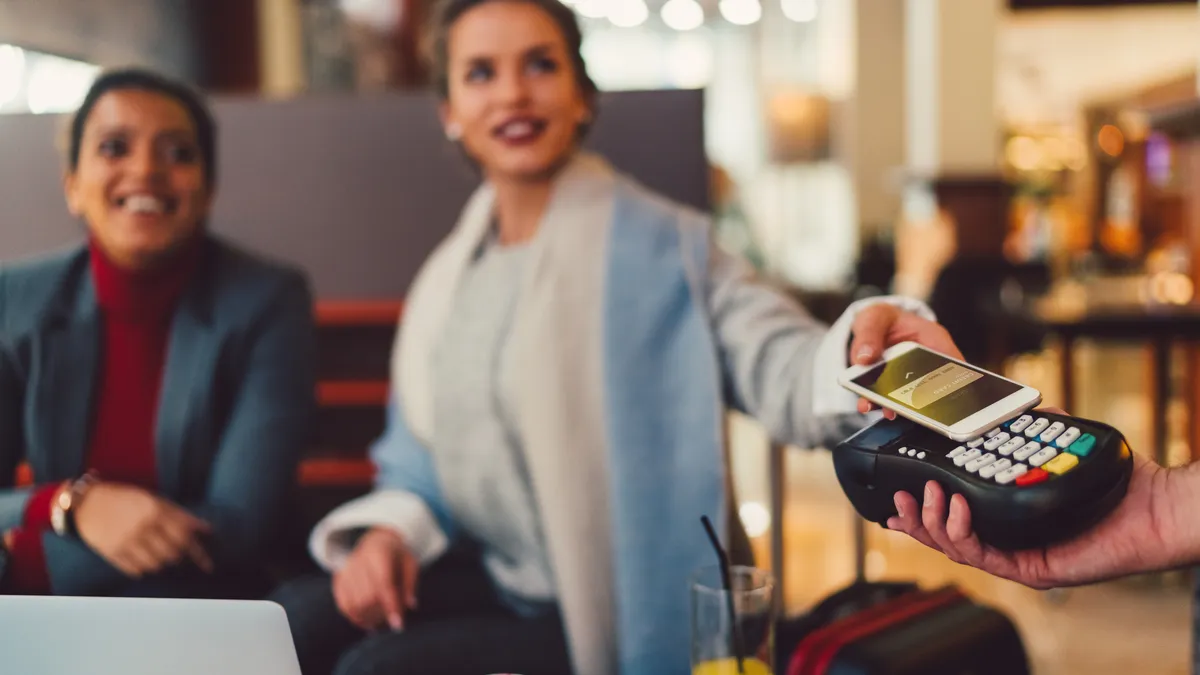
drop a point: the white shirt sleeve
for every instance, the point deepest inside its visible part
(405, 513)
(780, 364)
(832, 357)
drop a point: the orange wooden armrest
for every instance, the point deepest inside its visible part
(312, 473)
(336, 473)
(355, 392)
(24, 477)
(358, 312)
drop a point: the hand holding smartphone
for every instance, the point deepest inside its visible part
(954, 398)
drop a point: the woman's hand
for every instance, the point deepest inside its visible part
(882, 325)
(1138, 536)
(138, 532)
(378, 583)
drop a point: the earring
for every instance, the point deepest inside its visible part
(453, 131)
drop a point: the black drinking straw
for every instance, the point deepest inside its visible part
(723, 559)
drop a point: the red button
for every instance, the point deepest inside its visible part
(1032, 477)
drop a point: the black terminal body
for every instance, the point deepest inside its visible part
(1035, 480)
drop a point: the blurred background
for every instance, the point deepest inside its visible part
(1031, 168)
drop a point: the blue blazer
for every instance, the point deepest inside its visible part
(234, 413)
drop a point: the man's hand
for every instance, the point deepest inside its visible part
(138, 532)
(1138, 536)
(378, 583)
(882, 325)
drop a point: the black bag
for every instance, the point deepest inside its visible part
(896, 628)
(891, 630)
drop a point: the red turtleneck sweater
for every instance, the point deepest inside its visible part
(137, 311)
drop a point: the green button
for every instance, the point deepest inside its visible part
(1083, 446)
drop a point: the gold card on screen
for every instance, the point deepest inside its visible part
(955, 398)
(935, 385)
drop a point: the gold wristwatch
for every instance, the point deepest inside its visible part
(62, 511)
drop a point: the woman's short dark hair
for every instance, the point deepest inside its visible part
(145, 80)
(447, 13)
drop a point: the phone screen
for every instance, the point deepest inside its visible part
(936, 387)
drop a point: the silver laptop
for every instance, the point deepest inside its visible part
(111, 636)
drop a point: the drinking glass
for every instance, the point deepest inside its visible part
(717, 632)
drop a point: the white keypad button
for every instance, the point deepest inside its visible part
(977, 464)
(992, 432)
(1011, 473)
(903, 450)
(1022, 422)
(977, 442)
(1026, 451)
(995, 467)
(1010, 445)
(920, 455)
(996, 441)
(956, 452)
(964, 458)
(1045, 455)
(1037, 427)
(1053, 432)
(912, 453)
(1069, 436)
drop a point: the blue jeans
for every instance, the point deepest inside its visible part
(458, 628)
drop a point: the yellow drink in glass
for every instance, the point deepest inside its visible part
(726, 623)
(730, 667)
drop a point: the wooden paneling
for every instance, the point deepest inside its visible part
(322, 472)
(227, 45)
(354, 340)
(358, 313)
(979, 205)
(410, 68)
(352, 393)
(1189, 167)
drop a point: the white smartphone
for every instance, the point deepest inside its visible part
(951, 397)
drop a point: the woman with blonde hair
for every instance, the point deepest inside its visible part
(559, 387)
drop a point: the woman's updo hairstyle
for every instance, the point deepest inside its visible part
(447, 12)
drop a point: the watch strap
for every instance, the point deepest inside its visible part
(5, 557)
(62, 518)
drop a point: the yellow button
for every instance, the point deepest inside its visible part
(1061, 464)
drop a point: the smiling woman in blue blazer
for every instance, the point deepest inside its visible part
(158, 382)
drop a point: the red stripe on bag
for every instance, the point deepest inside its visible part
(816, 652)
